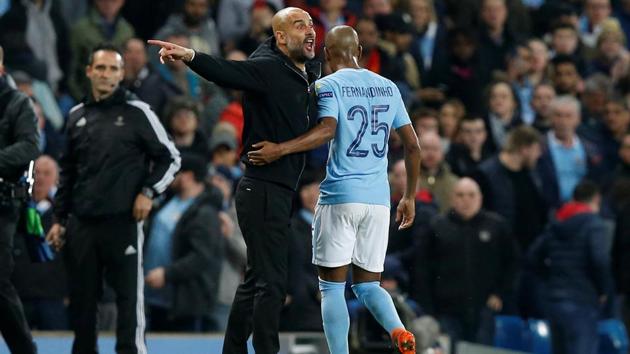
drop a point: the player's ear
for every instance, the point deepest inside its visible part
(281, 37)
(360, 52)
(326, 54)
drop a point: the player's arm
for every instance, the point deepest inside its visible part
(268, 152)
(239, 75)
(407, 208)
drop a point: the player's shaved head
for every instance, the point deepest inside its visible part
(342, 42)
(282, 19)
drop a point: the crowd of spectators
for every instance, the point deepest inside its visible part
(515, 102)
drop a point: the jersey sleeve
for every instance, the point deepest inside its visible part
(402, 117)
(327, 105)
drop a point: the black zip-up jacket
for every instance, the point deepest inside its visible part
(462, 262)
(114, 148)
(275, 104)
(18, 133)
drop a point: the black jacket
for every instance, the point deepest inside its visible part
(197, 253)
(275, 104)
(114, 147)
(572, 257)
(461, 263)
(19, 138)
(303, 313)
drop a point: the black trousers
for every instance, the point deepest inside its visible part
(13, 323)
(264, 213)
(111, 248)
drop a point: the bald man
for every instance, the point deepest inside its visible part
(275, 80)
(356, 109)
(465, 266)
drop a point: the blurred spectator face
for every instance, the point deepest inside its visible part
(224, 156)
(105, 72)
(135, 57)
(421, 12)
(46, 177)
(261, 19)
(610, 45)
(109, 8)
(540, 55)
(332, 5)
(466, 198)
(372, 8)
(182, 180)
(597, 10)
(541, 99)
(566, 77)
(522, 62)
(368, 34)
(564, 120)
(462, 47)
(449, 118)
(494, 14)
(617, 118)
(26, 88)
(309, 195)
(402, 41)
(184, 122)
(530, 155)
(399, 178)
(473, 133)
(432, 154)
(624, 149)
(195, 11)
(564, 41)
(426, 124)
(177, 65)
(595, 101)
(502, 100)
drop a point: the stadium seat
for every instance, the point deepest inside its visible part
(509, 332)
(613, 337)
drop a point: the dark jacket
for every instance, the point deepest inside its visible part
(198, 252)
(275, 104)
(572, 257)
(461, 263)
(304, 312)
(19, 138)
(498, 191)
(621, 250)
(437, 73)
(547, 171)
(114, 147)
(462, 164)
(403, 244)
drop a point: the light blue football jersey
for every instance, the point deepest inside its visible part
(366, 106)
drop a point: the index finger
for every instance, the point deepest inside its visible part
(160, 43)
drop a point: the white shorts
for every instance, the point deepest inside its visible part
(351, 233)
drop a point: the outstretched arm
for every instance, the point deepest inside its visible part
(268, 152)
(238, 75)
